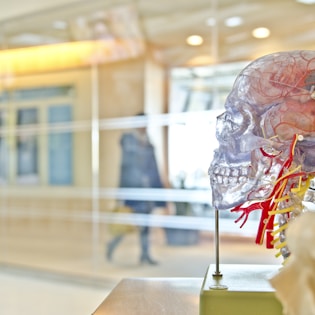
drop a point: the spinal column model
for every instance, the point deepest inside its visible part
(266, 154)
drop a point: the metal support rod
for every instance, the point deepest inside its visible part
(217, 272)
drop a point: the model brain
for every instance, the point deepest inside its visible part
(266, 153)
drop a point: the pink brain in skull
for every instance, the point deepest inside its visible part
(272, 100)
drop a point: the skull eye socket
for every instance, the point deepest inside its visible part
(229, 125)
(227, 120)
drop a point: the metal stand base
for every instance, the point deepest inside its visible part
(241, 290)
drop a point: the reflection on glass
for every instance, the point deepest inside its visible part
(3, 151)
(60, 147)
(139, 169)
(27, 148)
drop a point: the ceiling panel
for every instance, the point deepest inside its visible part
(163, 25)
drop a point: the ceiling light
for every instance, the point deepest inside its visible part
(194, 40)
(306, 1)
(63, 56)
(261, 32)
(233, 21)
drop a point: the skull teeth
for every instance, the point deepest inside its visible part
(228, 171)
(228, 176)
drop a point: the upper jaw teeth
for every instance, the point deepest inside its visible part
(229, 175)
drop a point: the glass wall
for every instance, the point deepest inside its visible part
(73, 80)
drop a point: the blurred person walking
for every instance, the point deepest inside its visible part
(138, 170)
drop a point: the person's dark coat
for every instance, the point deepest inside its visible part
(139, 169)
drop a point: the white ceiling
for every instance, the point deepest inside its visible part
(164, 26)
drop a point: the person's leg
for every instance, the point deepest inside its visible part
(112, 245)
(145, 246)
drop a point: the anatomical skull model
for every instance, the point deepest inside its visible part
(266, 155)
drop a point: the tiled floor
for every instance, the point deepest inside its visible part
(59, 267)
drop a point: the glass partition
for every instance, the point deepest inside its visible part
(70, 91)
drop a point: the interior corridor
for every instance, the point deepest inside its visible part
(59, 267)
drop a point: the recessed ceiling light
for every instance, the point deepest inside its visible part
(233, 21)
(194, 40)
(261, 32)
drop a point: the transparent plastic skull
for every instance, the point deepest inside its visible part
(266, 133)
